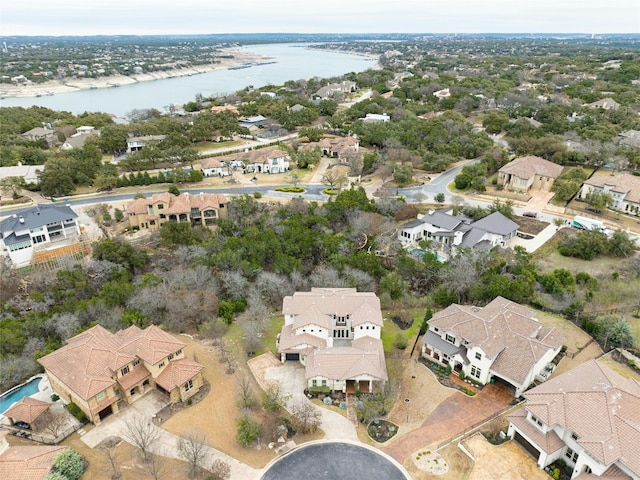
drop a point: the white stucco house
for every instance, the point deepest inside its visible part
(624, 189)
(501, 342)
(452, 232)
(335, 334)
(589, 417)
(44, 227)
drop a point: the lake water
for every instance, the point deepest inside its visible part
(293, 62)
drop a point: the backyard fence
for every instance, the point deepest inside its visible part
(472, 429)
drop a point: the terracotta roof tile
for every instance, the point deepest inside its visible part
(177, 373)
(527, 167)
(28, 463)
(599, 405)
(27, 409)
(506, 332)
(89, 362)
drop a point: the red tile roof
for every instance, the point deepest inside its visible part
(27, 409)
(599, 405)
(178, 373)
(28, 463)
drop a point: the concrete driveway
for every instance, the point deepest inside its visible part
(145, 407)
(290, 376)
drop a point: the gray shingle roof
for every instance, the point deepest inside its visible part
(496, 223)
(37, 217)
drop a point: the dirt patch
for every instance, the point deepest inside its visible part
(217, 413)
(618, 364)
(508, 460)
(431, 462)
(575, 338)
(459, 464)
(530, 225)
(424, 392)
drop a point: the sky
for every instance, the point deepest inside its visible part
(156, 17)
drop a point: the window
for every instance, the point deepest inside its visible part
(170, 357)
(152, 222)
(179, 352)
(124, 370)
(160, 206)
(132, 392)
(314, 382)
(478, 356)
(188, 386)
(324, 383)
(450, 338)
(475, 371)
(571, 455)
(574, 435)
(161, 365)
(100, 396)
(435, 329)
(536, 420)
(136, 362)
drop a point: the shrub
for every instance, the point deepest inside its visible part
(319, 390)
(400, 341)
(74, 410)
(290, 189)
(69, 464)
(257, 195)
(248, 430)
(330, 191)
(462, 375)
(55, 397)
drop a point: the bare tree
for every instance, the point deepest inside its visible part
(219, 470)
(245, 393)
(306, 417)
(109, 447)
(142, 434)
(192, 449)
(214, 330)
(273, 397)
(55, 422)
(158, 467)
(333, 177)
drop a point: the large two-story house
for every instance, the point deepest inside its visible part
(335, 333)
(38, 229)
(524, 173)
(453, 232)
(589, 417)
(101, 371)
(201, 209)
(265, 160)
(135, 144)
(624, 189)
(339, 147)
(502, 342)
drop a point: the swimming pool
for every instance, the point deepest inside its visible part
(9, 398)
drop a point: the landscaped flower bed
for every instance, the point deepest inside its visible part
(381, 430)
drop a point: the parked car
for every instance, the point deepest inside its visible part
(23, 425)
(530, 214)
(593, 210)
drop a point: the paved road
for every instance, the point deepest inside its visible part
(335, 460)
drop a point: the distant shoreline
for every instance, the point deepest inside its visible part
(53, 87)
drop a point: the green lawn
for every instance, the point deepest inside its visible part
(391, 330)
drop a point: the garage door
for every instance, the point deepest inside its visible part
(535, 453)
(292, 356)
(105, 413)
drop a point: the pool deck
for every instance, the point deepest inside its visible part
(44, 393)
